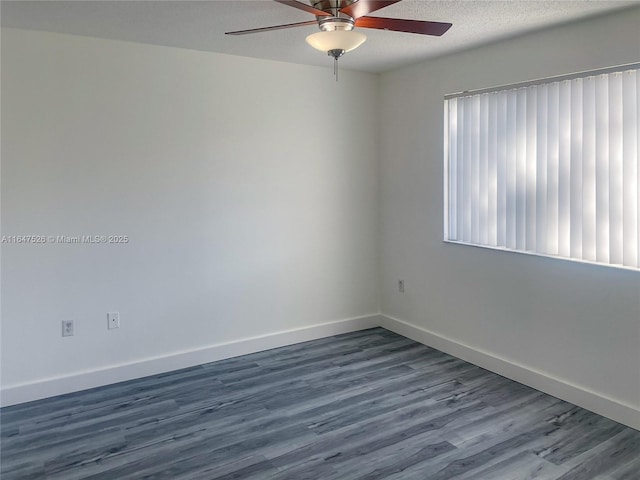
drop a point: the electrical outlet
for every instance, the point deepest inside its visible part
(67, 328)
(401, 286)
(113, 320)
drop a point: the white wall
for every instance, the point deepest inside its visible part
(572, 322)
(248, 190)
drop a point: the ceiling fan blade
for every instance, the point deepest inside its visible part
(361, 8)
(304, 6)
(276, 27)
(400, 25)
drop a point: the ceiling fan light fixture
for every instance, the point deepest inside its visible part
(345, 40)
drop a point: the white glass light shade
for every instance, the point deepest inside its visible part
(346, 40)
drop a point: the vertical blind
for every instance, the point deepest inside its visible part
(549, 168)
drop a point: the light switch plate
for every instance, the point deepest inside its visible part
(113, 320)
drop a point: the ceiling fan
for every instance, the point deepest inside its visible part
(337, 19)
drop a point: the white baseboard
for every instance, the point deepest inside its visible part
(14, 394)
(595, 402)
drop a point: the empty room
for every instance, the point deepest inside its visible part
(320, 239)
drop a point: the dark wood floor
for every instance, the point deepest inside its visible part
(365, 405)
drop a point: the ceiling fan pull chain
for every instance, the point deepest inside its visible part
(335, 68)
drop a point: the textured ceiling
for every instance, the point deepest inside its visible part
(200, 25)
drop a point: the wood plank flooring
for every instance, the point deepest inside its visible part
(365, 405)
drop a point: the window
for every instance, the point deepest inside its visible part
(548, 167)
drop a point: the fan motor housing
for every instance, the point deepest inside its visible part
(333, 7)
